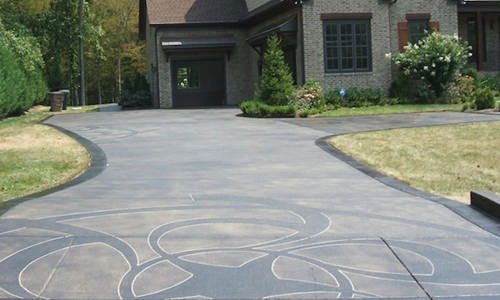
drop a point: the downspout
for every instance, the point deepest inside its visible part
(302, 54)
(156, 70)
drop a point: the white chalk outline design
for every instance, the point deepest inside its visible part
(218, 280)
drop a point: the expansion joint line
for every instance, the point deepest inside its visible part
(46, 284)
(407, 269)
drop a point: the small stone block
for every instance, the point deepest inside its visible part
(486, 201)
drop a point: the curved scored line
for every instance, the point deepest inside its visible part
(13, 230)
(164, 289)
(433, 269)
(205, 221)
(452, 253)
(262, 254)
(263, 244)
(31, 246)
(345, 241)
(344, 266)
(15, 296)
(307, 237)
(303, 293)
(298, 216)
(306, 281)
(32, 262)
(108, 235)
(353, 287)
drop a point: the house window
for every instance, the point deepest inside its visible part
(347, 46)
(188, 78)
(417, 30)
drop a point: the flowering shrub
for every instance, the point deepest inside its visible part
(310, 95)
(461, 90)
(436, 60)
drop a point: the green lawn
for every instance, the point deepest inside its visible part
(390, 109)
(447, 160)
(35, 157)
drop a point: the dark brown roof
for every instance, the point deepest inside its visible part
(195, 11)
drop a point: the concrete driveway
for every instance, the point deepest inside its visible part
(204, 204)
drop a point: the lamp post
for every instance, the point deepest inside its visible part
(82, 55)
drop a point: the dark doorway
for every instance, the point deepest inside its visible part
(198, 83)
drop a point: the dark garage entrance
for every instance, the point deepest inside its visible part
(198, 83)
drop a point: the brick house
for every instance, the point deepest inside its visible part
(209, 52)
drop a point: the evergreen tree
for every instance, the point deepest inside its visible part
(276, 83)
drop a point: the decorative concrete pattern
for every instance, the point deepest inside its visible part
(202, 204)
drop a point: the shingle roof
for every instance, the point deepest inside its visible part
(195, 11)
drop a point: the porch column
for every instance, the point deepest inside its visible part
(479, 41)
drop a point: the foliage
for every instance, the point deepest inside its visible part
(390, 109)
(436, 60)
(255, 108)
(136, 92)
(112, 52)
(317, 110)
(483, 99)
(123, 56)
(490, 82)
(355, 97)
(11, 83)
(309, 96)
(461, 90)
(276, 83)
(471, 72)
(22, 83)
(400, 88)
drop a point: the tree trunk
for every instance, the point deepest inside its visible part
(119, 78)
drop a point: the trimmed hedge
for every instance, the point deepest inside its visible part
(355, 97)
(21, 77)
(254, 108)
(12, 81)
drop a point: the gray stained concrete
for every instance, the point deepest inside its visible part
(204, 204)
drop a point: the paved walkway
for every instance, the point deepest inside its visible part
(200, 203)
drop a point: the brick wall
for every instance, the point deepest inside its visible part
(237, 64)
(384, 36)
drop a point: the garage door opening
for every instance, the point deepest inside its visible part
(198, 83)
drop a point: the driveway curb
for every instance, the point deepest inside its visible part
(98, 163)
(476, 217)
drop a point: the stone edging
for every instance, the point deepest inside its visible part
(98, 163)
(477, 217)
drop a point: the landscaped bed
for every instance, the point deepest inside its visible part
(449, 160)
(35, 157)
(390, 109)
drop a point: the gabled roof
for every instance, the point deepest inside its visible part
(195, 11)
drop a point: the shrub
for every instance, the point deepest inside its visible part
(483, 99)
(22, 66)
(400, 88)
(310, 95)
(255, 108)
(490, 82)
(461, 90)
(12, 83)
(276, 83)
(436, 60)
(355, 97)
(471, 72)
(136, 92)
(316, 110)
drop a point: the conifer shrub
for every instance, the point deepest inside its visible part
(276, 83)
